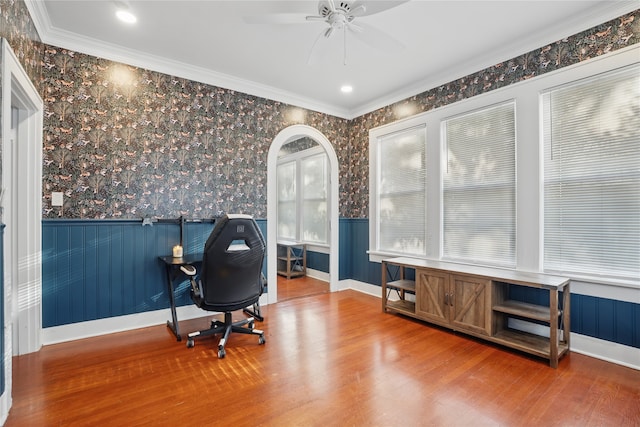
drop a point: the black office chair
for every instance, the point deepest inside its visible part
(231, 277)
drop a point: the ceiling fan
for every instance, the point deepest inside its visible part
(340, 16)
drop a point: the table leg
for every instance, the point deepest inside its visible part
(173, 323)
(553, 332)
(384, 287)
(566, 315)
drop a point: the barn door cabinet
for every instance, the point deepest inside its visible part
(459, 301)
(477, 301)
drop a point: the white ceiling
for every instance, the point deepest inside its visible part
(211, 41)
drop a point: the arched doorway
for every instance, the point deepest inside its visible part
(285, 136)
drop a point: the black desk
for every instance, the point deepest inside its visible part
(173, 271)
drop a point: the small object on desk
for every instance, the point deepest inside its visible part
(177, 251)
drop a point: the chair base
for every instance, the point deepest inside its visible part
(255, 312)
(225, 328)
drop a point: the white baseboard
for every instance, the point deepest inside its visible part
(317, 274)
(606, 350)
(365, 288)
(92, 328)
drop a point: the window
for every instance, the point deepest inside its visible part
(401, 191)
(592, 175)
(478, 194)
(287, 201)
(302, 196)
(314, 198)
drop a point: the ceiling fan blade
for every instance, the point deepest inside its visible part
(277, 18)
(319, 49)
(374, 37)
(376, 6)
(328, 32)
(332, 5)
(315, 18)
(359, 10)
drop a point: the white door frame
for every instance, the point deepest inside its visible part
(22, 112)
(285, 136)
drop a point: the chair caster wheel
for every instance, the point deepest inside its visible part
(190, 343)
(261, 340)
(221, 353)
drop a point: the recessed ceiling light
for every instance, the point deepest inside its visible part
(125, 16)
(346, 89)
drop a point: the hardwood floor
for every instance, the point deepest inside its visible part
(332, 359)
(300, 287)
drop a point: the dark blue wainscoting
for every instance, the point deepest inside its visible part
(94, 269)
(607, 319)
(354, 260)
(318, 261)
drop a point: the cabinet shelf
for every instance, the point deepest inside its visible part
(530, 343)
(403, 284)
(293, 258)
(525, 310)
(402, 306)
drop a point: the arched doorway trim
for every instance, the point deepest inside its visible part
(285, 136)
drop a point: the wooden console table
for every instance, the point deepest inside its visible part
(476, 300)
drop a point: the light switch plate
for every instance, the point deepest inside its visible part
(56, 198)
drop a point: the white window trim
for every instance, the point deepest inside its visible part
(529, 157)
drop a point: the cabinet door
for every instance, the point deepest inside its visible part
(431, 289)
(470, 300)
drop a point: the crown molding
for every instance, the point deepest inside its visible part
(86, 45)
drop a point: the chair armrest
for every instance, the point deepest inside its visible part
(189, 270)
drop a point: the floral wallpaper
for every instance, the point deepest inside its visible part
(17, 27)
(124, 142)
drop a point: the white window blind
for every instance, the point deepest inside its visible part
(401, 203)
(287, 206)
(479, 186)
(314, 198)
(592, 176)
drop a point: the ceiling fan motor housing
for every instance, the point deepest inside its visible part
(343, 7)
